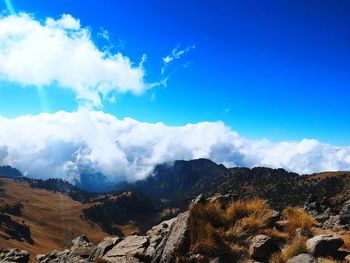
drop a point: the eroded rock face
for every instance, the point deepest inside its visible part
(302, 258)
(14, 255)
(262, 248)
(324, 245)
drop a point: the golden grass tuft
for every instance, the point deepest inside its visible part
(217, 231)
(298, 218)
(296, 247)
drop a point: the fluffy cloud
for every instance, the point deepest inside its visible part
(66, 144)
(60, 51)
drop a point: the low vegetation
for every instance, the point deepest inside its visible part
(217, 230)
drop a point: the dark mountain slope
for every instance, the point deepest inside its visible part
(184, 180)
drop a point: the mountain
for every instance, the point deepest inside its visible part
(10, 172)
(182, 181)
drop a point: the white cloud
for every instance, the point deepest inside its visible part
(64, 144)
(60, 51)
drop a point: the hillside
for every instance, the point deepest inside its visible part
(40, 216)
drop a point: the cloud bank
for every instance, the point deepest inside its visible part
(61, 51)
(64, 145)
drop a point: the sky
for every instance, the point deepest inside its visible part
(260, 76)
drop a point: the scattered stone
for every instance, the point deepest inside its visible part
(324, 245)
(14, 255)
(262, 248)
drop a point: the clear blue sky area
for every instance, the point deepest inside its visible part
(268, 69)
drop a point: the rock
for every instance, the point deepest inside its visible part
(223, 199)
(126, 259)
(14, 255)
(131, 246)
(198, 200)
(81, 251)
(344, 213)
(274, 217)
(156, 235)
(302, 258)
(80, 239)
(176, 241)
(262, 248)
(107, 244)
(324, 245)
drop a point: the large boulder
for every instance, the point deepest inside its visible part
(14, 255)
(262, 247)
(302, 258)
(156, 234)
(107, 244)
(324, 245)
(131, 246)
(175, 242)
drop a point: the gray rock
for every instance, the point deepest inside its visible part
(80, 239)
(176, 241)
(156, 234)
(344, 213)
(223, 199)
(302, 258)
(262, 248)
(81, 251)
(324, 245)
(198, 200)
(107, 244)
(133, 246)
(14, 255)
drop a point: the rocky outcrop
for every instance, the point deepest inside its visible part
(324, 245)
(130, 247)
(81, 251)
(175, 242)
(262, 248)
(14, 255)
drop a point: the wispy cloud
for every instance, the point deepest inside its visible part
(175, 54)
(61, 51)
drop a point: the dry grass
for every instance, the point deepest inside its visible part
(296, 247)
(298, 218)
(215, 231)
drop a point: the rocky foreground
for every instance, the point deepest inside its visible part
(222, 229)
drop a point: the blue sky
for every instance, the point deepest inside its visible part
(268, 69)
